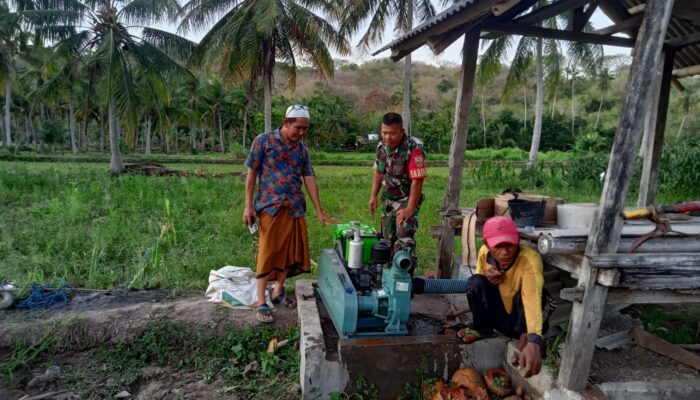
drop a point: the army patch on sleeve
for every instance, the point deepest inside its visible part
(416, 165)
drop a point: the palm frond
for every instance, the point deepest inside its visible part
(74, 45)
(201, 13)
(522, 62)
(150, 11)
(490, 62)
(172, 44)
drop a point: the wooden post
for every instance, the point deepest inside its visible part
(655, 143)
(450, 204)
(606, 229)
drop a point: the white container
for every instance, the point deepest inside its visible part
(355, 251)
(575, 215)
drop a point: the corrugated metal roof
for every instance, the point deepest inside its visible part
(438, 19)
(681, 24)
(685, 22)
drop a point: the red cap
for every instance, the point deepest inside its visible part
(499, 230)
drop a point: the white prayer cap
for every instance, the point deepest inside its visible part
(297, 111)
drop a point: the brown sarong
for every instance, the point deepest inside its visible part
(284, 244)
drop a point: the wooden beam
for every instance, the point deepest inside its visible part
(626, 25)
(661, 261)
(526, 30)
(654, 142)
(629, 296)
(439, 43)
(547, 244)
(615, 10)
(592, 6)
(606, 228)
(549, 11)
(539, 14)
(644, 279)
(647, 340)
(581, 16)
(473, 12)
(687, 71)
(683, 41)
(450, 205)
(638, 9)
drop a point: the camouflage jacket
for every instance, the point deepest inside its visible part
(399, 167)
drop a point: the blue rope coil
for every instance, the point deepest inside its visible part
(46, 296)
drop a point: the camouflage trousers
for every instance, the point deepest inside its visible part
(399, 236)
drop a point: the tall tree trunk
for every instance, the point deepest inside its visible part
(193, 135)
(222, 147)
(483, 114)
(525, 104)
(166, 141)
(597, 116)
(267, 83)
(175, 144)
(539, 106)
(32, 129)
(8, 110)
(407, 72)
(85, 139)
(71, 127)
(554, 101)
(102, 129)
(245, 127)
(148, 134)
(573, 107)
(680, 128)
(116, 163)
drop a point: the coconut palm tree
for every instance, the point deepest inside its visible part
(687, 103)
(216, 99)
(24, 24)
(603, 81)
(547, 57)
(119, 58)
(250, 38)
(377, 13)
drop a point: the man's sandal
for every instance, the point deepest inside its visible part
(263, 314)
(468, 335)
(284, 300)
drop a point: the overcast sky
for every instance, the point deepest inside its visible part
(450, 56)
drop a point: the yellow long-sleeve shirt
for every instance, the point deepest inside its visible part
(524, 276)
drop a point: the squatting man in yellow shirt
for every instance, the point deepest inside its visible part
(506, 294)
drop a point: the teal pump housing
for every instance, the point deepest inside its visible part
(373, 300)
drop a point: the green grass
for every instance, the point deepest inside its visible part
(76, 222)
(679, 326)
(111, 368)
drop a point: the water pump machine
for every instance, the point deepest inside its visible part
(365, 290)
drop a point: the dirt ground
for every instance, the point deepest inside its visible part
(95, 318)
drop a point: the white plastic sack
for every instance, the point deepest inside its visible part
(232, 286)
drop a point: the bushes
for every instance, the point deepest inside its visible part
(680, 170)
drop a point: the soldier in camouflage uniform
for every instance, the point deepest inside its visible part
(399, 171)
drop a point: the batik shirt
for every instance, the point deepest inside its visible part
(399, 167)
(280, 169)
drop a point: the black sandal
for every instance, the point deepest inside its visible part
(263, 314)
(284, 300)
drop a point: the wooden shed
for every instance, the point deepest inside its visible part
(665, 38)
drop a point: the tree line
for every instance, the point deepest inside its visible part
(97, 75)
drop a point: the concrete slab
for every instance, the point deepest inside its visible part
(683, 389)
(332, 365)
(388, 363)
(319, 376)
(536, 385)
